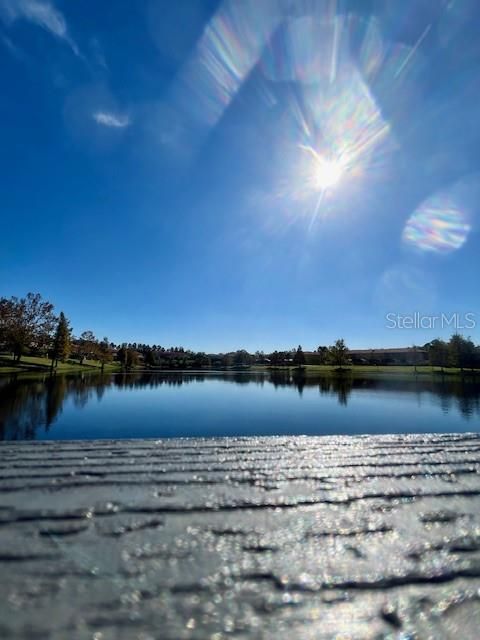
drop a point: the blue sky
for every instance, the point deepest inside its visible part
(251, 174)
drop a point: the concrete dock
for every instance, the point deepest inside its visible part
(247, 538)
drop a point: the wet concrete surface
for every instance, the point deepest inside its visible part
(290, 537)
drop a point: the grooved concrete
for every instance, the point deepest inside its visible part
(285, 538)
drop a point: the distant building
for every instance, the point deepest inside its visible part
(406, 356)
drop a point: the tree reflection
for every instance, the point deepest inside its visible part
(22, 409)
(339, 386)
(56, 388)
(30, 403)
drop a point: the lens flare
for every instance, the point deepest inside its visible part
(438, 225)
(336, 141)
(304, 49)
(228, 50)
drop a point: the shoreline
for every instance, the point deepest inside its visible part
(387, 371)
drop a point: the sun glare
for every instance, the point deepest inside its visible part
(328, 173)
(322, 173)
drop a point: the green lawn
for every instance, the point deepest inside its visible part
(398, 370)
(33, 363)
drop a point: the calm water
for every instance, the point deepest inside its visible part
(213, 404)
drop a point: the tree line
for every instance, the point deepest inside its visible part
(29, 326)
(458, 352)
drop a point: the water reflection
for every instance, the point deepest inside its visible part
(30, 406)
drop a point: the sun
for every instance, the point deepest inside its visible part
(322, 172)
(327, 173)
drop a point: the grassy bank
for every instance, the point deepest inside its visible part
(42, 365)
(369, 370)
(33, 363)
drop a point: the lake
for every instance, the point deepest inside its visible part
(146, 405)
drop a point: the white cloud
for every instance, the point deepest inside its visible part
(108, 119)
(42, 14)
